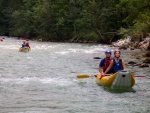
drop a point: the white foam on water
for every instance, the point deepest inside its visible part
(33, 111)
(10, 47)
(92, 49)
(74, 50)
(29, 57)
(46, 46)
(62, 52)
(28, 80)
(41, 47)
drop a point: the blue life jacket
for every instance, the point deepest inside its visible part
(117, 65)
(23, 45)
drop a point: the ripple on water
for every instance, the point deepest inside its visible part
(27, 80)
(44, 80)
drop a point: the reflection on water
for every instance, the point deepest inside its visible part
(44, 80)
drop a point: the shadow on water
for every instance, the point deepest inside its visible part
(119, 90)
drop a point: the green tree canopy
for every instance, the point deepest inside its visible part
(86, 20)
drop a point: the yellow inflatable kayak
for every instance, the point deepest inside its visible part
(121, 79)
(24, 49)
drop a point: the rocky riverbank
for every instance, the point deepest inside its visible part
(140, 59)
(133, 43)
(142, 46)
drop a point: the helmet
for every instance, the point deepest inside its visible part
(117, 51)
(24, 41)
(108, 51)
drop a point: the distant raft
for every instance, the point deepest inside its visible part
(24, 49)
(122, 79)
(1, 40)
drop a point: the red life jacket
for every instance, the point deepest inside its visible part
(106, 63)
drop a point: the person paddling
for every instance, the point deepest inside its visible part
(1, 40)
(27, 45)
(105, 62)
(116, 63)
(24, 44)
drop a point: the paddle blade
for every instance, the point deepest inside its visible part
(83, 76)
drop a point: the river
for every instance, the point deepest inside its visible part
(44, 80)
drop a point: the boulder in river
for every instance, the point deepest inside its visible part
(96, 58)
(123, 47)
(147, 54)
(131, 62)
(145, 44)
(122, 42)
(143, 65)
(133, 43)
(131, 48)
(147, 60)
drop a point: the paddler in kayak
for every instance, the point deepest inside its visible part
(27, 45)
(24, 44)
(105, 62)
(1, 40)
(116, 63)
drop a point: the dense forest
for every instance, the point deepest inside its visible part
(83, 20)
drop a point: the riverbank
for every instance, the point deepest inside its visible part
(138, 58)
(140, 50)
(133, 43)
(129, 42)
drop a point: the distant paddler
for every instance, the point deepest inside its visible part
(24, 43)
(1, 40)
(25, 47)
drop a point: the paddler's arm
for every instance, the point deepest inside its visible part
(109, 67)
(101, 66)
(100, 70)
(123, 65)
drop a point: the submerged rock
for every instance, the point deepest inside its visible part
(123, 47)
(137, 57)
(147, 60)
(96, 58)
(132, 48)
(147, 54)
(143, 65)
(131, 62)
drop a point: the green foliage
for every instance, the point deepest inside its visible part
(86, 20)
(136, 16)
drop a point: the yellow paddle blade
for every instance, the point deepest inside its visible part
(83, 76)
